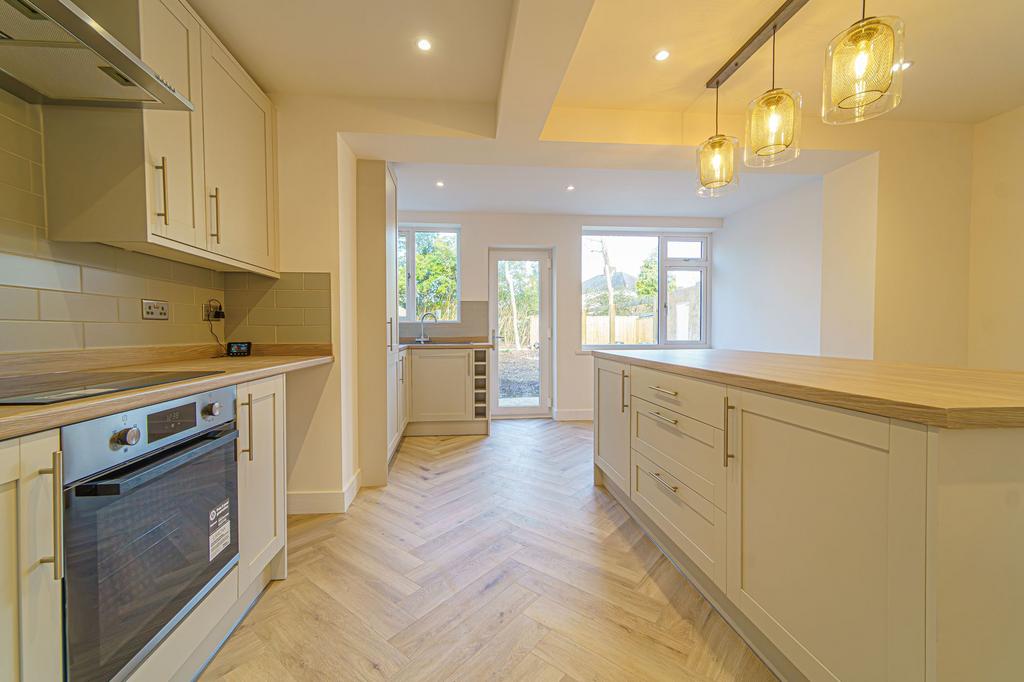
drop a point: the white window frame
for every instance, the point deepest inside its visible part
(410, 230)
(702, 265)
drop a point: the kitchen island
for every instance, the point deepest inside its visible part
(853, 519)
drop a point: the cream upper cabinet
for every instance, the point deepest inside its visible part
(391, 255)
(238, 155)
(826, 511)
(198, 187)
(442, 385)
(261, 476)
(173, 140)
(31, 560)
(611, 420)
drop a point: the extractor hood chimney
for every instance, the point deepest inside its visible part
(51, 52)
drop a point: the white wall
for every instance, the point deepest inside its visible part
(996, 329)
(766, 275)
(316, 176)
(573, 389)
(849, 243)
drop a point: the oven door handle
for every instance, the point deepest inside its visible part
(119, 485)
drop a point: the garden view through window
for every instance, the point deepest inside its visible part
(641, 289)
(428, 266)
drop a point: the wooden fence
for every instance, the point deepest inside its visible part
(629, 329)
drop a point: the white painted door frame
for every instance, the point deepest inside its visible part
(543, 257)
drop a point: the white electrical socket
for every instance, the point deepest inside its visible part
(155, 310)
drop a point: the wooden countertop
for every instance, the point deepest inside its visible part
(945, 397)
(19, 420)
(467, 345)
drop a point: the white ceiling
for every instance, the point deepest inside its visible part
(966, 58)
(599, 191)
(367, 48)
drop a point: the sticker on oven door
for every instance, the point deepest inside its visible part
(220, 528)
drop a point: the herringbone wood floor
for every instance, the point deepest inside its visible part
(485, 558)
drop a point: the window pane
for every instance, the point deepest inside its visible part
(403, 279)
(681, 248)
(518, 353)
(620, 289)
(683, 298)
(437, 289)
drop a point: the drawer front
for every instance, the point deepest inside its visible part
(699, 400)
(695, 525)
(690, 450)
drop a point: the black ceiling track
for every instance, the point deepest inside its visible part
(763, 34)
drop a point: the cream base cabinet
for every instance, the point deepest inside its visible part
(826, 536)
(31, 626)
(262, 516)
(442, 385)
(611, 421)
(394, 418)
(404, 392)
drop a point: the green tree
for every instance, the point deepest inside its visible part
(647, 281)
(436, 275)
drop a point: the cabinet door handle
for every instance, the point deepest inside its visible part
(216, 207)
(391, 332)
(401, 376)
(725, 436)
(659, 389)
(248, 405)
(663, 418)
(664, 483)
(622, 392)
(57, 471)
(162, 167)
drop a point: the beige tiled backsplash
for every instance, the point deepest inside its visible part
(64, 295)
(293, 309)
(472, 323)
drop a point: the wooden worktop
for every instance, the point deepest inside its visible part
(467, 345)
(19, 420)
(945, 397)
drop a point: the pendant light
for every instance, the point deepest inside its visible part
(773, 125)
(716, 162)
(863, 70)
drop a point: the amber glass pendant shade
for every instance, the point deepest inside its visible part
(773, 129)
(716, 166)
(862, 77)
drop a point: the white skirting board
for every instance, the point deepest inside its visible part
(318, 501)
(573, 415)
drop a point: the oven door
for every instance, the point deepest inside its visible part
(143, 544)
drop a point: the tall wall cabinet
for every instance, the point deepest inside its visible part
(196, 186)
(380, 361)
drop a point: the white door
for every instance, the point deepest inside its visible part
(520, 309)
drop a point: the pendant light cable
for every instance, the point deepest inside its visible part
(774, 29)
(863, 9)
(716, 109)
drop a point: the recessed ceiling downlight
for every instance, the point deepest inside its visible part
(570, 188)
(439, 183)
(424, 44)
(661, 55)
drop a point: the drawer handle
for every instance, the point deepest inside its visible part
(659, 389)
(665, 419)
(659, 479)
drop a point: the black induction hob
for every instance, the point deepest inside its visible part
(56, 387)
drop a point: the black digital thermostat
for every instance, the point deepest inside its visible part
(239, 348)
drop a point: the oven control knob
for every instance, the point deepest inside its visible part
(212, 410)
(129, 436)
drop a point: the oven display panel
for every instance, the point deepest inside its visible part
(168, 422)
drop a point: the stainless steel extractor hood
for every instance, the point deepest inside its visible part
(51, 52)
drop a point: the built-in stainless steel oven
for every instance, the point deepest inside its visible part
(150, 526)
